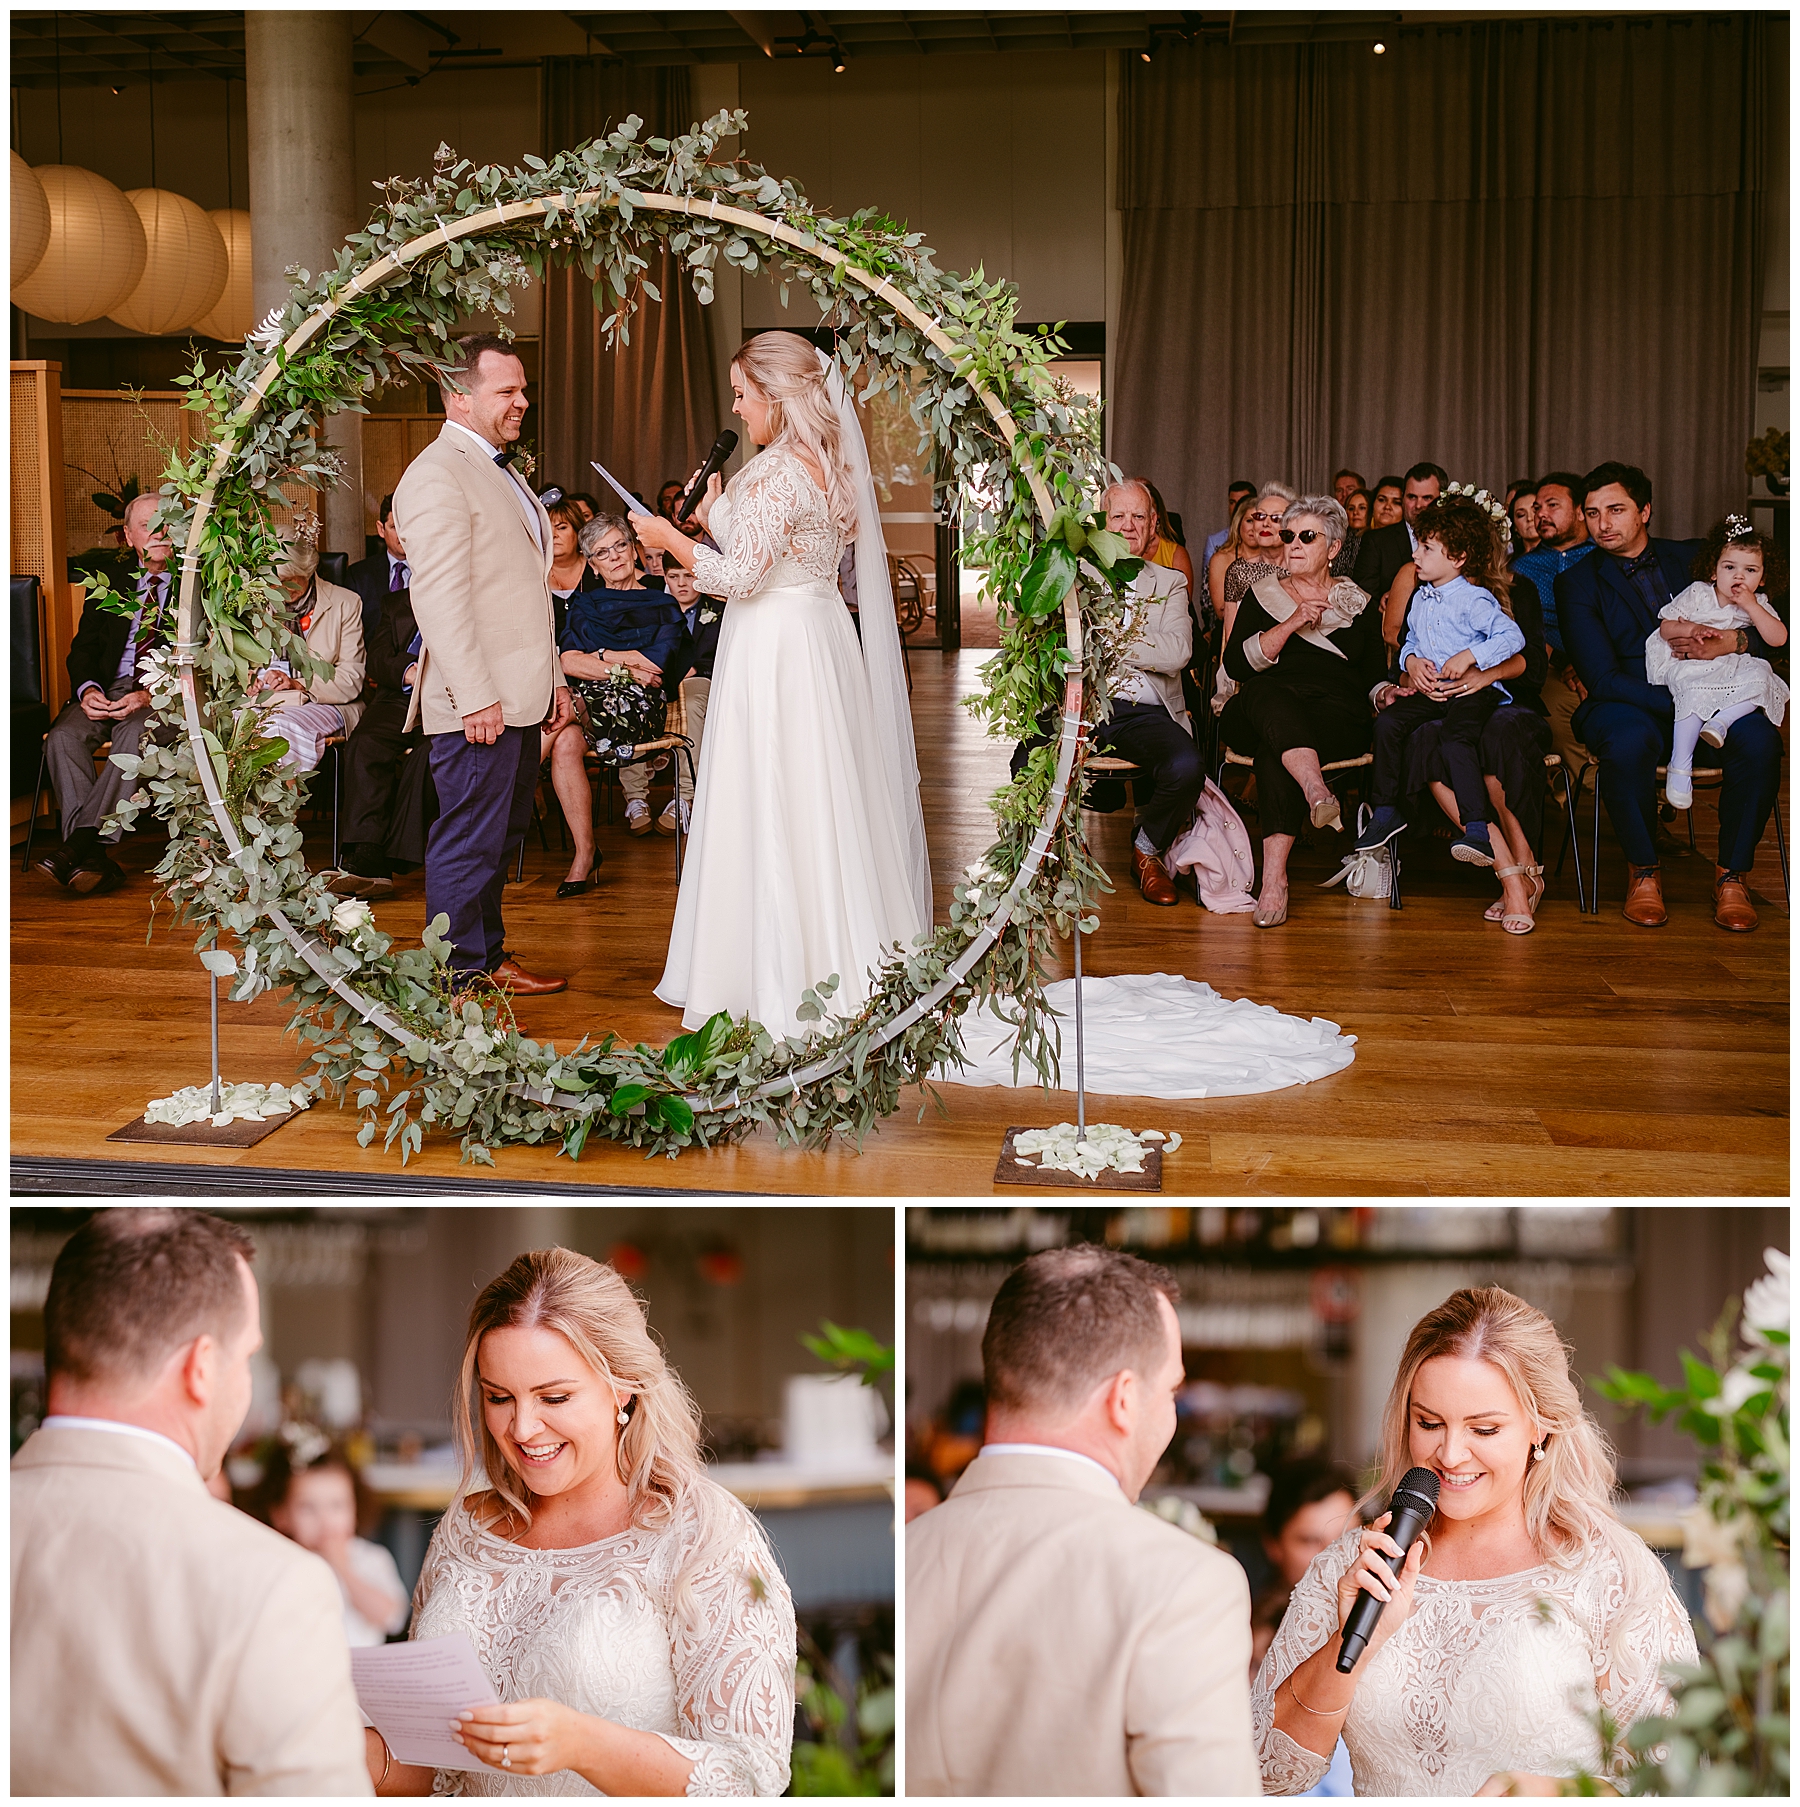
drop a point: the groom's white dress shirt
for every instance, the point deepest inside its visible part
(162, 1641)
(1061, 1642)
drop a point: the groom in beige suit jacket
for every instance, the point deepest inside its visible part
(1059, 1641)
(489, 677)
(162, 1641)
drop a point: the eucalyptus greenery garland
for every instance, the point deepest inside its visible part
(386, 1026)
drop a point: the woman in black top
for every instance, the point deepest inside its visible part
(1512, 749)
(1306, 651)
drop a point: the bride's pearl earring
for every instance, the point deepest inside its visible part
(625, 1418)
(1537, 1452)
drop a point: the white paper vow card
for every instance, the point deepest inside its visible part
(413, 1691)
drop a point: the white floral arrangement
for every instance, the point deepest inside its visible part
(1467, 492)
(242, 1103)
(1063, 1148)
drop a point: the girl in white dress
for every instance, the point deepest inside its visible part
(1525, 1607)
(1711, 694)
(807, 856)
(627, 1609)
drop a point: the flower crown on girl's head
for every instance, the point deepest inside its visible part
(1467, 492)
(1737, 528)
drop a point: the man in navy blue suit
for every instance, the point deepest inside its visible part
(375, 578)
(1608, 605)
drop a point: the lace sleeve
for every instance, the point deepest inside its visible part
(1310, 1619)
(1640, 1642)
(734, 1652)
(766, 499)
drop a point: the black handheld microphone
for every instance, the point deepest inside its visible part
(723, 447)
(1414, 1501)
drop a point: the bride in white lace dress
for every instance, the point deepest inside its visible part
(807, 855)
(628, 1610)
(1525, 1608)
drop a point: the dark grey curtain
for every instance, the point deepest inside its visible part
(1503, 247)
(646, 410)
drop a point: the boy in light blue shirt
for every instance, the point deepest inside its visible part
(1457, 634)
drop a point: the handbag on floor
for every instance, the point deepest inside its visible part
(1369, 875)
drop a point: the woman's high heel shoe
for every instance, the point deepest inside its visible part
(574, 887)
(1327, 813)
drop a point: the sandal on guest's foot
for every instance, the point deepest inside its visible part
(1497, 909)
(1328, 813)
(1518, 922)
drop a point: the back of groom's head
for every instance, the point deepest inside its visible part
(132, 1286)
(1068, 1319)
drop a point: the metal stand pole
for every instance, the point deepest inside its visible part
(1080, 1044)
(218, 1096)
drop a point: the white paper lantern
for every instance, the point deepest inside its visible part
(184, 267)
(30, 220)
(96, 251)
(232, 316)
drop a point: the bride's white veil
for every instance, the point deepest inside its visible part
(882, 656)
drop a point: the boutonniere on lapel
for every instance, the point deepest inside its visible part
(707, 616)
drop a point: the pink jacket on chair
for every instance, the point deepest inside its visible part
(1217, 851)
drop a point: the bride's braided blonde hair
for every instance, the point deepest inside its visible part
(786, 371)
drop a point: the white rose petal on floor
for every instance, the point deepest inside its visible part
(1158, 1035)
(246, 1102)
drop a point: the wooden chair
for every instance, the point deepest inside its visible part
(673, 739)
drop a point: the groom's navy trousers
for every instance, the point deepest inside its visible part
(484, 808)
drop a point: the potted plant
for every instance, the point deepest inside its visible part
(1767, 458)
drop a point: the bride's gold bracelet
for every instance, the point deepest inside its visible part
(1295, 1692)
(387, 1756)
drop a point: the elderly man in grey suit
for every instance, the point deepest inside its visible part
(1149, 724)
(162, 1641)
(478, 542)
(1059, 1641)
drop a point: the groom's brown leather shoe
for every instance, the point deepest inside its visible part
(1152, 877)
(511, 976)
(1644, 899)
(1732, 908)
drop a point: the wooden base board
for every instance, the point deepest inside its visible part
(241, 1132)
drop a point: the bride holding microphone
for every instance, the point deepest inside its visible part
(1522, 1609)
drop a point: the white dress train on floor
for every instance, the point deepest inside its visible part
(797, 867)
(1158, 1035)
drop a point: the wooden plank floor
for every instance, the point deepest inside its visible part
(1589, 1057)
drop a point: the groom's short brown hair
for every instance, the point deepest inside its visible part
(1068, 1319)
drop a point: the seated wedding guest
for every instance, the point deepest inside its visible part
(1521, 509)
(305, 713)
(1457, 631)
(585, 503)
(621, 625)
(1356, 514)
(1609, 605)
(1243, 490)
(1510, 753)
(690, 676)
(1168, 548)
(1260, 553)
(163, 1643)
(627, 1609)
(567, 750)
(1231, 547)
(1562, 543)
(1058, 1641)
(1345, 484)
(380, 748)
(668, 496)
(1525, 1611)
(1384, 550)
(1386, 508)
(387, 571)
(1306, 653)
(311, 1490)
(1149, 724)
(111, 702)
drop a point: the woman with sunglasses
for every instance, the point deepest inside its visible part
(1306, 651)
(1259, 548)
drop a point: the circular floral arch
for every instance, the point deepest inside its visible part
(1028, 452)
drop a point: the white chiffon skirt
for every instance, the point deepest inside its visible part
(794, 866)
(1158, 1035)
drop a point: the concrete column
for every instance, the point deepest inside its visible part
(303, 192)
